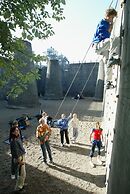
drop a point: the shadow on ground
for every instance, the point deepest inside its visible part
(40, 181)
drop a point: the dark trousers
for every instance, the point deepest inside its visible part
(64, 133)
(14, 167)
(95, 143)
(46, 148)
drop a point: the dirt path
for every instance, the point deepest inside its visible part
(71, 172)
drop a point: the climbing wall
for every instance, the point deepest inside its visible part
(119, 175)
(112, 91)
(110, 108)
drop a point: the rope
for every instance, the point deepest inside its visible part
(77, 74)
(73, 81)
(112, 3)
(116, 4)
(84, 87)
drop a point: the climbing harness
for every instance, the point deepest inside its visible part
(78, 72)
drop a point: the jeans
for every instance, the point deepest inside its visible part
(46, 147)
(64, 133)
(14, 167)
(95, 143)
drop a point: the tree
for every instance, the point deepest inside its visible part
(32, 18)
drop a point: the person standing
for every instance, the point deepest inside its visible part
(43, 133)
(63, 125)
(74, 124)
(13, 164)
(48, 119)
(96, 138)
(18, 155)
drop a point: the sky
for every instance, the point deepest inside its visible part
(74, 34)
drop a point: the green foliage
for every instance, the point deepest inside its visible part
(33, 18)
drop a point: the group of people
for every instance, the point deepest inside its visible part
(43, 133)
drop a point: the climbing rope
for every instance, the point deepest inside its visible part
(78, 72)
(73, 81)
(112, 3)
(84, 87)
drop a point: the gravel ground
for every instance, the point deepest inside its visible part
(71, 172)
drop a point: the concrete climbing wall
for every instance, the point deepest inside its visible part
(119, 178)
(111, 101)
(110, 108)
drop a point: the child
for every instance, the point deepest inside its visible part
(103, 31)
(18, 155)
(74, 124)
(96, 138)
(63, 125)
(47, 119)
(43, 133)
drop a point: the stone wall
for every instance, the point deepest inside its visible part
(86, 74)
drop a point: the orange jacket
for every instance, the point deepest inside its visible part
(43, 133)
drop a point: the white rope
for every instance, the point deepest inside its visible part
(77, 74)
(84, 86)
(112, 3)
(73, 81)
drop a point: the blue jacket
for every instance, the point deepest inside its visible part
(63, 123)
(102, 31)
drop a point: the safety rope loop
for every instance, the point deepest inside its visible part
(73, 81)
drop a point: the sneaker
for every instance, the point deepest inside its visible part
(99, 161)
(102, 149)
(51, 162)
(91, 164)
(17, 190)
(113, 61)
(68, 145)
(73, 141)
(62, 145)
(12, 176)
(45, 161)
